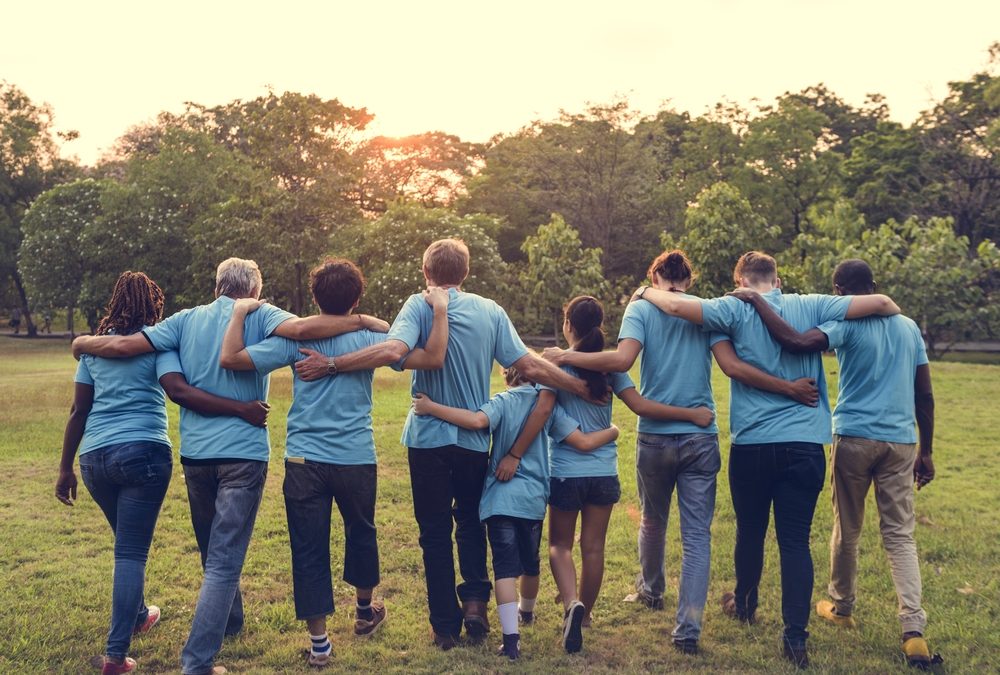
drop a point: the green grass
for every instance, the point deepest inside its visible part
(56, 562)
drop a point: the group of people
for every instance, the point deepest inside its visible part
(490, 468)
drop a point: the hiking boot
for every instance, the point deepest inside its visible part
(797, 654)
(687, 646)
(363, 627)
(828, 611)
(643, 598)
(444, 641)
(729, 609)
(916, 651)
(572, 638)
(511, 647)
(477, 626)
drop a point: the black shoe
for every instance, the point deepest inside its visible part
(525, 618)
(444, 641)
(797, 654)
(686, 646)
(511, 647)
(573, 627)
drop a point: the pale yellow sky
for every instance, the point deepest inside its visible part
(474, 68)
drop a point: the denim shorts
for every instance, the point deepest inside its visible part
(572, 494)
(514, 542)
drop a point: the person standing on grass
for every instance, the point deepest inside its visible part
(676, 369)
(119, 423)
(447, 463)
(330, 451)
(885, 387)
(777, 453)
(225, 459)
(516, 490)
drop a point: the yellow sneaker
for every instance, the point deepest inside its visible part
(828, 611)
(918, 654)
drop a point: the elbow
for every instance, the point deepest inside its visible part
(395, 350)
(729, 369)
(226, 361)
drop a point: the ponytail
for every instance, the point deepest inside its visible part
(586, 316)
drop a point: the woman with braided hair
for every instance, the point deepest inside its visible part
(119, 415)
(585, 484)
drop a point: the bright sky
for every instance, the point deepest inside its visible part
(477, 68)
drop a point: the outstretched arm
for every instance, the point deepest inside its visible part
(467, 419)
(328, 325)
(536, 369)
(83, 400)
(617, 361)
(588, 442)
(644, 407)
(112, 346)
(183, 394)
(813, 340)
(803, 390)
(868, 305)
(671, 303)
(923, 469)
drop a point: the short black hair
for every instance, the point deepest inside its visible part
(854, 277)
(337, 285)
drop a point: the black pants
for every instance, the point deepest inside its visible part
(447, 484)
(310, 490)
(789, 475)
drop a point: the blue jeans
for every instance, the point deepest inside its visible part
(224, 499)
(128, 481)
(690, 462)
(790, 475)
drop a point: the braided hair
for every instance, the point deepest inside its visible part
(136, 302)
(586, 316)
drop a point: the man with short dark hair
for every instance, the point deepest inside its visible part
(885, 386)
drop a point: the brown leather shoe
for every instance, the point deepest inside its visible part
(477, 626)
(444, 641)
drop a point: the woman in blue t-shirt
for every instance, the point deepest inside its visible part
(119, 415)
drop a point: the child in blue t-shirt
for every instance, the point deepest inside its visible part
(516, 491)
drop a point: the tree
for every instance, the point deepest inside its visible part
(721, 226)
(885, 174)
(559, 268)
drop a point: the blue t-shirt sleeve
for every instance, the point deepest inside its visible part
(83, 372)
(836, 333)
(273, 353)
(168, 362)
(634, 323)
(716, 338)
(719, 314)
(620, 382)
(509, 347)
(827, 307)
(406, 327)
(166, 335)
(271, 317)
(493, 409)
(561, 424)
(918, 341)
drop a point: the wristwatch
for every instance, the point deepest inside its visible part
(331, 366)
(642, 292)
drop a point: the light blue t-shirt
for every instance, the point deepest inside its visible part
(330, 419)
(129, 404)
(527, 493)
(878, 359)
(757, 416)
(196, 334)
(675, 367)
(568, 462)
(479, 332)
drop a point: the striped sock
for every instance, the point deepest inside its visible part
(364, 609)
(320, 645)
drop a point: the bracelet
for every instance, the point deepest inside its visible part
(518, 458)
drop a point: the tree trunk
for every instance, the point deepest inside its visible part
(29, 325)
(297, 300)
(556, 326)
(69, 320)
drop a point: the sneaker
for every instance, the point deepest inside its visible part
(152, 619)
(365, 627)
(444, 641)
(828, 611)
(511, 647)
(797, 654)
(687, 646)
(320, 660)
(917, 653)
(525, 618)
(477, 626)
(112, 668)
(644, 598)
(729, 609)
(572, 639)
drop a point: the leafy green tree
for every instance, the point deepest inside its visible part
(885, 174)
(807, 265)
(721, 226)
(559, 268)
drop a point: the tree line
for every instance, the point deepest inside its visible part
(576, 204)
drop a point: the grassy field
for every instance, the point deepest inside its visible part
(56, 562)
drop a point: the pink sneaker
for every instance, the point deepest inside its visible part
(112, 668)
(151, 620)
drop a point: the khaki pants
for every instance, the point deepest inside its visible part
(856, 463)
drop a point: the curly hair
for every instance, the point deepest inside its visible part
(136, 302)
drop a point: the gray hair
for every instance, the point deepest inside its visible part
(238, 278)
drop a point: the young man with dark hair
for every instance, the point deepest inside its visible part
(330, 451)
(885, 387)
(777, 445)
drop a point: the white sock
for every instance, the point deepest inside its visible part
(508, 617)
(527, 604)
(320, 644)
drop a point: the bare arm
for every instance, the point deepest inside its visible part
(83, 400)
(538, 370)
(803, 390)
(112, 346)
(588, 442)
(328, 325)
(813, 340)
(234, 355)
(644, 407)
(183, 394)
(533, 426)
(460, 417)
(431, 356)
(868, 305)
(618, 360)
(671, 303)
(923, 468)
